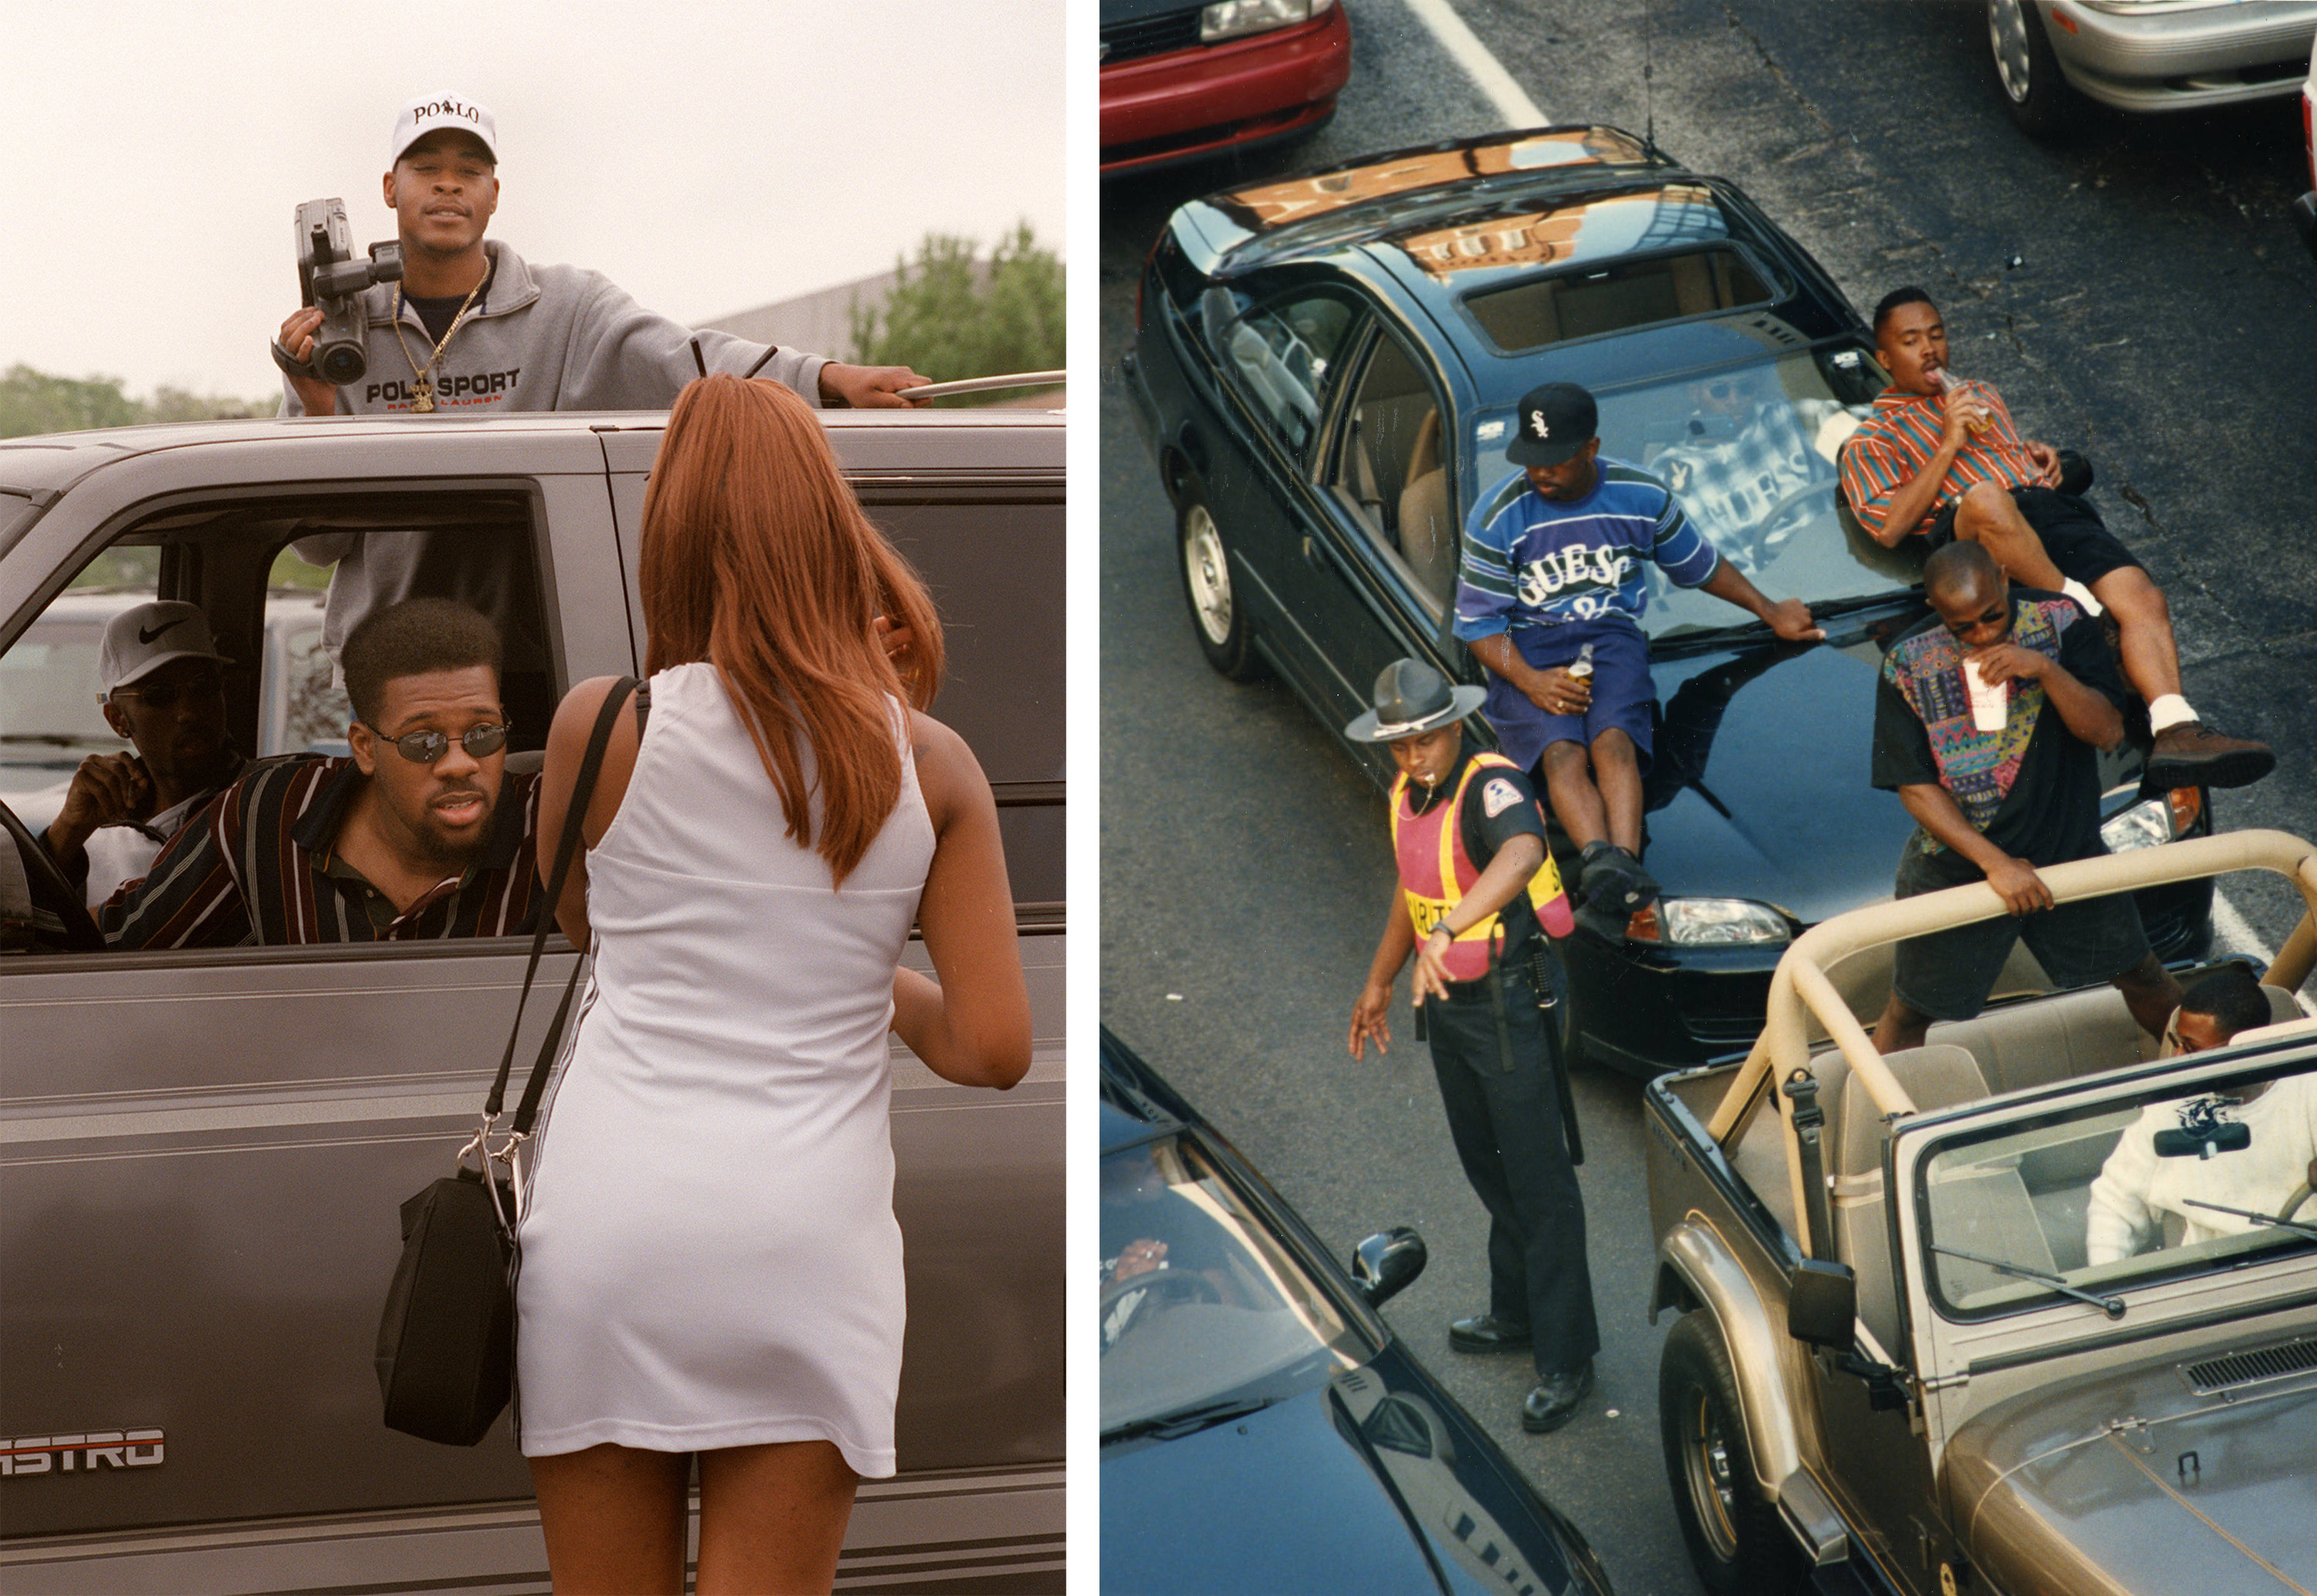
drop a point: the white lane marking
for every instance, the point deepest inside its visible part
(1488, 74)
(2233, 928)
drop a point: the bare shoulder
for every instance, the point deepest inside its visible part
(948, 774)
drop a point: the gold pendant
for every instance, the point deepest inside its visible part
(422, 397)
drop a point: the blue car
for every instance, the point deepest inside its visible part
(1262, 1430)
(1325, 371)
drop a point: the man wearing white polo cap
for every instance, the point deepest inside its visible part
(474, 329)
(159, 666)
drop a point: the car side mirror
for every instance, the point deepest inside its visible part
(2224, 1135)
(1822, 1308)
(1384, 1264)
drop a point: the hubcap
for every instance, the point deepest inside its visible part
(1712, 1490)
(1208, 574)
(2007, 32)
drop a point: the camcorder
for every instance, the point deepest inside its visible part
(331, 277)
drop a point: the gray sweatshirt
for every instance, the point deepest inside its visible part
(547, 338)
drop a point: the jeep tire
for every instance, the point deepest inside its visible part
(1736, 1540)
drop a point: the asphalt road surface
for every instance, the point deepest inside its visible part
(2135, 292)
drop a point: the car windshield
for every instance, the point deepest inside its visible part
(1749, 452)
(2154, 1187)
(1200, 1302)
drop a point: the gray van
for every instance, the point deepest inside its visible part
(201, 1152)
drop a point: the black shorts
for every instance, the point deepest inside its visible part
(2074, 536)
(1948, 974)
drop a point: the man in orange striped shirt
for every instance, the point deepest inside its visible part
(1941, 458)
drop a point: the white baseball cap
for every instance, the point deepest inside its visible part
(426, 114)
(141, 639)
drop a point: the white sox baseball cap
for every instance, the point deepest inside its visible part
(140, 640)
(424, 115)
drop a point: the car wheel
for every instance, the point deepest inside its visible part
(1735, 1539)
(1225, 637)
(2035, 92)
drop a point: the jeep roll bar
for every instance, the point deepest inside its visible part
(1801, 988)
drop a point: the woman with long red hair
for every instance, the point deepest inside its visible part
(710, 1262)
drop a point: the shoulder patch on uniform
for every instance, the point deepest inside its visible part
(1498, 796)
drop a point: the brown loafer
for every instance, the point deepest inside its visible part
(2192, 755)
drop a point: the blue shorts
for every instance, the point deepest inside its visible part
(1624, 696)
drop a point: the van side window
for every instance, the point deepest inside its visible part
(255, 689)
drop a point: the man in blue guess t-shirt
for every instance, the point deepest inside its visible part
(1556, 570)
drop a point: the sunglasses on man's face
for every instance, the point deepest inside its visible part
(1728, 389)
(424, 748)
(163, 695)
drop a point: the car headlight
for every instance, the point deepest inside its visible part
(2152, 822)
(1709, 922)
(1233, 19)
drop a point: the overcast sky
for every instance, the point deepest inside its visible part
(708, 159)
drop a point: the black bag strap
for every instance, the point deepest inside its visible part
(591, 764)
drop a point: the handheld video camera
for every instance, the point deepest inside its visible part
(329, 276)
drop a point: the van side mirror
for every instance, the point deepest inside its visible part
(1822, 1308)
(1383, 1265)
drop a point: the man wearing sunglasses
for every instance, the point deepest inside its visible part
(420, 834)
(158, 667)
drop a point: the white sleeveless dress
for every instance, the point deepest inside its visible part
(709, 1252)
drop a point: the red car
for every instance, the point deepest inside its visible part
(1179, 82)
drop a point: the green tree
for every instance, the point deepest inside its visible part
(33, 402)
(950, 316)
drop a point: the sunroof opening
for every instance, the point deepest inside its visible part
(1542, 310)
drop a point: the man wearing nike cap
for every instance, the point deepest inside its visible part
(158, 667)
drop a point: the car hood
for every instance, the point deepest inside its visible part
(2135, 1483)
(1758, 786)
(1366, 1483)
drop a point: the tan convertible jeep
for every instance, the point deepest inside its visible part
(2026, 1309)
(201, 1152)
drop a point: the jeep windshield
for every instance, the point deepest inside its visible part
(2148, 1187)
(1206, 1314)
(1749, 450)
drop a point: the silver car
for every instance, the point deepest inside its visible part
(201, 1152)
(2144, 55)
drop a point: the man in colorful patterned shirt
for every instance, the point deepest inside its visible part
(1992, 805)
(1552, 571)
(1940, 458)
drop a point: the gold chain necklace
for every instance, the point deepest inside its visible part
(422, 389)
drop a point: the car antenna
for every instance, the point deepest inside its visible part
(1649, 89)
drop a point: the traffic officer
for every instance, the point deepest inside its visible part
(1476, 884)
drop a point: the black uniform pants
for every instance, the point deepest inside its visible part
(1506, 1127)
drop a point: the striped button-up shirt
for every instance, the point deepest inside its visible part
(259, 866)
(1892, 447)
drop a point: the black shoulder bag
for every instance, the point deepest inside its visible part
(446, 1339)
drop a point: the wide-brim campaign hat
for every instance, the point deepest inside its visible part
(1410, 699)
